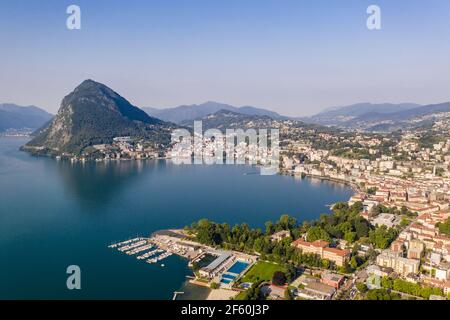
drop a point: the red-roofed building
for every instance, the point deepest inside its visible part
(321, 248)
(315, 247)
(333, 279)
(338, 256)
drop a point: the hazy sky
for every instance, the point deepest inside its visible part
(295, 57)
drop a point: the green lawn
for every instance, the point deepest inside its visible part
(240, 296)
(261, 271)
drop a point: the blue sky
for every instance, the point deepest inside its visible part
(295, 57)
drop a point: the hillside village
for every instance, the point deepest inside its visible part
(392, 233)
(402, 183)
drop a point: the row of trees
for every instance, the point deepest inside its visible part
(410, 288)
(392, 210)
(253, 293)
(344, 222)
(381, 294)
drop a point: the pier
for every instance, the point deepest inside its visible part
(132, 246)
(176, 294)
(149, 254)
(139, 249)
(119, 244)
(144, 246)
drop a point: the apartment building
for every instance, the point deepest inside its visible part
(322, 248)
(402, 266)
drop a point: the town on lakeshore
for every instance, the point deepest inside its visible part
(390, 241)
(211, 155)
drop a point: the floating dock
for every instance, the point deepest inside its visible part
(132, 246)
(142, 246)
(119, 244)
(176, 294)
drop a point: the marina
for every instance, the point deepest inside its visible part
(132, 246)
(119, 244)
(142, 245)
(212, 266)
(159, 258)
(222, 267)
(139, 249)
(149, 254)
(84, 214)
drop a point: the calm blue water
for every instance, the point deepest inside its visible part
(238, 267)
(55, 214)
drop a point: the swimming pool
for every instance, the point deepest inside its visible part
(226, 281)
(228, 276)
(238, 267)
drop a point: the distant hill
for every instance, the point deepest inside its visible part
(339, 115)
(407, 119)
(196, 111)
(381, 118)
(226, 119)
(408, 114)
(18, 117)
(95, 114)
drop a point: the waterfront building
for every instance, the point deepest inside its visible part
(278, 236)
(322, 248)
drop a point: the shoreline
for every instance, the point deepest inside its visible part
(73, 159)
(192, 289)
(350, 184)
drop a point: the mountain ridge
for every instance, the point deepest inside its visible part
(194, 111)
(94, 114)
(15, 117)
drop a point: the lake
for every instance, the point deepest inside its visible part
(54, 214)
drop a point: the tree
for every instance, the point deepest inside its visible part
(291, 272)
(325, 264)
(444, 227)
(415, 289)
(317, 233)
(214, 285)
(357, 207)
(404, 210)
(354, 262)
(387, 283)
(381, 294)
(350, 237)
(404, 222)
(346, 268)
(361, 286)
(269, 227)
(288, 295)
(195, 266)
(286, 222)
(254, 292)
(382, 237)
(361, 227)
(279, 278)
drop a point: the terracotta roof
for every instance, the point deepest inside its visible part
(338, 252)
(317, 243)
(320, 243)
